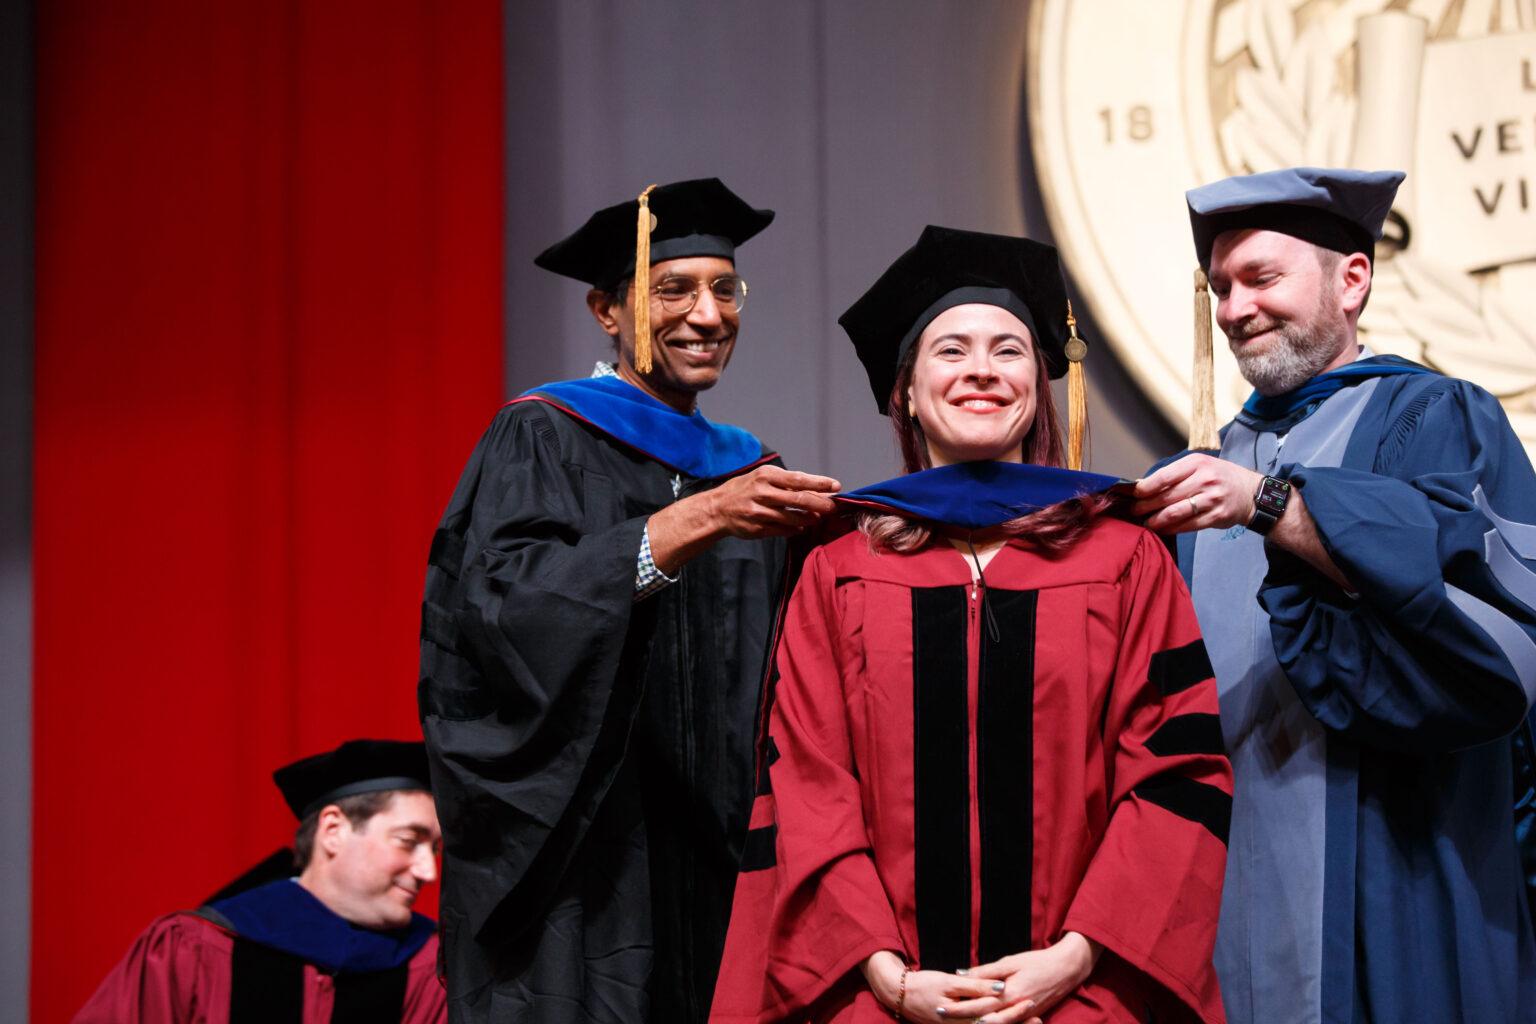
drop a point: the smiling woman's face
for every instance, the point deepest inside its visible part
(973, 385)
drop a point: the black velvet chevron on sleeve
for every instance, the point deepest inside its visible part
(1194, 801)
(1177, 669)
(1188, 734)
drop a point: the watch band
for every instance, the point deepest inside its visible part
(1262, 522)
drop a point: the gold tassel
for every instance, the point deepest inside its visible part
(644, 225)
(1202, 415)
(1077, 393)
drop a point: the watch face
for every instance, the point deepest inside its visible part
(1273, 494)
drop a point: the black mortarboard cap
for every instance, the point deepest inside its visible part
(692, 218)
(355, 767)
(946, 268)
(1337, 208)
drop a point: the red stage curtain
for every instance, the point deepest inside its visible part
(268, 334)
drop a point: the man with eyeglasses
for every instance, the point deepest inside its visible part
(598, 604)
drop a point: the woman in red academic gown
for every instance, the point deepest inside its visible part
(992, 779)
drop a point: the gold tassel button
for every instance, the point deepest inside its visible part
(645, 223)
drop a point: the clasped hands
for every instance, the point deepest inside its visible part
(1015, 989)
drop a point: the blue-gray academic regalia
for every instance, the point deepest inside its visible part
(1376, 738)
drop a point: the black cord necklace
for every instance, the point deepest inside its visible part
(986, 609)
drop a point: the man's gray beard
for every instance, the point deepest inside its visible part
(1296, 354)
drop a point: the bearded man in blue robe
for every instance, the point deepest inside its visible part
(1360, 552)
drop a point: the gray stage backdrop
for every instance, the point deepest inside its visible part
(858, 121)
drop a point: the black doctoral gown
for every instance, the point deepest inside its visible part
(591, 754)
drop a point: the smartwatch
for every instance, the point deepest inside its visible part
(1269, 504)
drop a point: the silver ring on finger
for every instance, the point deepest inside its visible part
(1194, 508)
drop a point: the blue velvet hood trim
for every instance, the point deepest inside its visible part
(285, 916)
(977, 495)
(1271, 409)
(689, 443)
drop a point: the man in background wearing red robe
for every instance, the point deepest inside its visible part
(337, 943)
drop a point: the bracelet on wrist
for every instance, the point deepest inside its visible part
(901, 993)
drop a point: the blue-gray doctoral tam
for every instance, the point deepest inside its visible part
(1337, 208)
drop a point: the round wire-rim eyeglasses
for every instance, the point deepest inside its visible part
(679, 294)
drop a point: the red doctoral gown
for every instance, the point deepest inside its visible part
(961, 772)
(179, 972)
